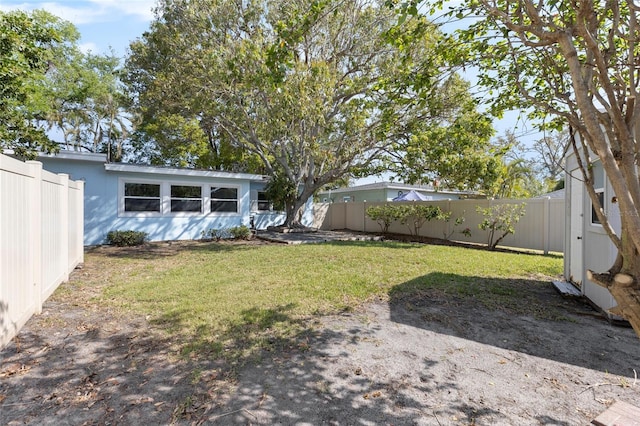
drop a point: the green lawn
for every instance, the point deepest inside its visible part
(230, 298)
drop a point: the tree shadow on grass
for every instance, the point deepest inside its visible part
(522, 315)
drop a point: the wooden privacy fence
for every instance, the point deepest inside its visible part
(41, 238)
(541, 228)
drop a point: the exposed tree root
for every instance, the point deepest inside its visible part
(626, 291)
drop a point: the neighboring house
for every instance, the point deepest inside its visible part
(166, 203)
(587, 245)
(556, 195)
(387, 191)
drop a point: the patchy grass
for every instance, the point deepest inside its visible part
(231, 299)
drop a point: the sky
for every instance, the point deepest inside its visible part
(103, 24)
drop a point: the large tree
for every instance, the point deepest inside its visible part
(551, 151)
(573, 62)
(316, 90)
(453, 147)
(27, 43)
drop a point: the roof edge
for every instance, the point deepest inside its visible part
(138, 168)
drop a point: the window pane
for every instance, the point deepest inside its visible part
(263, 202)
(185, 191)
(141, 205)
(186, 206)
(224, 193)
(224, 206)
(142, 190)
(594, 217)
(598, 175)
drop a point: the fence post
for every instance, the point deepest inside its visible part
(36, 229)
(346, 215)
(79, 195)
(447, 224)
(364, 216)
(546, 225)
(64, 224)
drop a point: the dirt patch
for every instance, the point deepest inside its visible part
(418, 358)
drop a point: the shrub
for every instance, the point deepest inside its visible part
(417, 214)
(456, 222)
(500, 220)
(215, 234)
(126, 238)
(385, 215)
(240, 232)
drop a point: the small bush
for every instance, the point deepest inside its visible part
(240, 232)
(384, 214)
(216, 234)
(414, 216)
(456, 222)
(126, 238)
(500, 220)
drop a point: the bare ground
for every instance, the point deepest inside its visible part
(421, 358)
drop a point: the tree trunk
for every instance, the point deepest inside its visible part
(294, 214)
(623, 282)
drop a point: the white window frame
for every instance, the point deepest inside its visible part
(165, 198)
(266, 200)
(121, 198)
(224, 185)
(185, 213)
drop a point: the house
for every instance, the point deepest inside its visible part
(166, 203)
(387, 191)
(586, 242)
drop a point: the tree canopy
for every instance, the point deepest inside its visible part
(50, 87)
(453, 147)
(572, 63)
(88, 103)
(314, 90)
(27, 43)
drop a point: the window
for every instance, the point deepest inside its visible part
(186, 198)
(598, 185)
(141, 197)
(263, 202)
(594, 216)
(224, 200)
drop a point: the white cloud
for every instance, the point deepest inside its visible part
(89, 47)
(89, 11)
(143, 9)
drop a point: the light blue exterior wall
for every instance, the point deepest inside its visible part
(103, 199)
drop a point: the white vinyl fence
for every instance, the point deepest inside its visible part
(541, 228)
(41, 238)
